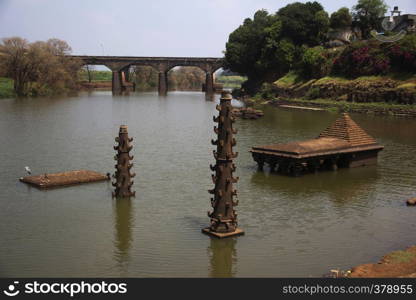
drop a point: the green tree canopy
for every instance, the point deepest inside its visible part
(267, 46)
(304, 23)
(245, 44)
(341, 18)
(367, 14)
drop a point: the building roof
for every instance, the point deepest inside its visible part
(346, 129)
(343, 136)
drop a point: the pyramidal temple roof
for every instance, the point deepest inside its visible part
(343, 136)
(346, 129)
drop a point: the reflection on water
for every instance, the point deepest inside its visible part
(123, 230)
(341, 186)
(223, 257)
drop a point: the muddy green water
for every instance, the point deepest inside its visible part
(295, 227)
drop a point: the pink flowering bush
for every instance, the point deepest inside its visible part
(376, 58)
(403, 54)
(362, 58)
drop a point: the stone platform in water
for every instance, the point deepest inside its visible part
(343, 144)
(220, 235)
(64, 178)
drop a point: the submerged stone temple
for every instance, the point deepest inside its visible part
(343, 144)
(224, 218)
(122, 175)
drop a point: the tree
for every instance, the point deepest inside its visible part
(39, 67)
(367, 14)
(267, 46)
(145, 78)
(304, 23)
(316, 62)
(90, 71)
(245, 45)
(186, 78)
(15, 62)
(341, 19)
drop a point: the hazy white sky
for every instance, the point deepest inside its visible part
(142, 28)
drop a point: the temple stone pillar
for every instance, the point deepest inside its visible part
(123, 175)
(163, 83)
(223, 221)
(209, 83)
(117, 84)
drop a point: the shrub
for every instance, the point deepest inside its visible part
(313, 93)
(313, 62)
(266, 91)
(361, 59)
(403, 54)
(317, 62)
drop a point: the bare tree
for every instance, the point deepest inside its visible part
(90, 70)
(39, 67)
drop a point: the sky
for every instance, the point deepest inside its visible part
(197, 28)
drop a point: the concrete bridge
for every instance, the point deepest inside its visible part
(120, 65)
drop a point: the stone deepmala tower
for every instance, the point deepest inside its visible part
(122, 175)
(224, 217)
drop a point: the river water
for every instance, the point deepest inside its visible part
(295, 227)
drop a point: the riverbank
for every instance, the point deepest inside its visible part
(107, 85)
(376, 108)
(385, 95)
(6, 88)
(401, 263)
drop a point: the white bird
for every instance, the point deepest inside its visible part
(28, 170)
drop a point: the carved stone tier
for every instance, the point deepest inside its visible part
(123, 175)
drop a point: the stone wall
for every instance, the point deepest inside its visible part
(383, 90)
(363, 109)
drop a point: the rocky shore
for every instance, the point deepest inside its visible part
(361, 90)
(401, 263)
(368, 108)
(247, 113)
(375, 95)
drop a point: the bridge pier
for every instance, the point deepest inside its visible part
(209, 83)
(119, 65)
(163, 83)
(117, 83)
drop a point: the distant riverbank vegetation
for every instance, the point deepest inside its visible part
(300, 44)
(38, 68)
(6, 88)
(180, 78)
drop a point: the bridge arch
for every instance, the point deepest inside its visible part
(119, 64)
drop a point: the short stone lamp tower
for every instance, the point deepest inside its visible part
(122, 175)
(224, 217)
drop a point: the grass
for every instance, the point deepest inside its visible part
(289, 79)
(339, 79)
(403, 76)
(95, 75)
(6, 88)
(408, 85)
(292, 78)
(327, 79)
(332, 105)
(231, 82)
(370, 78)
(401, 256)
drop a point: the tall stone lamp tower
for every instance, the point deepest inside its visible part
(224, 217)
(123, 175)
